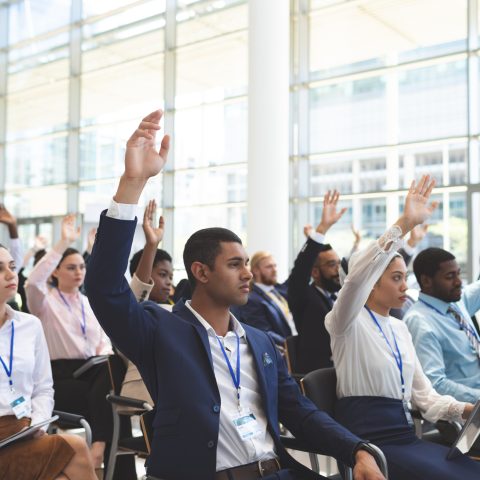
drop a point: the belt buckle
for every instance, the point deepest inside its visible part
(262, 470)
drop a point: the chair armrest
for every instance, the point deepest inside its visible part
(379, 457)
(69, 417)
(129, 402)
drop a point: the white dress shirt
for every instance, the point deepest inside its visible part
(31, 371)
(363, 360)
(232, 451)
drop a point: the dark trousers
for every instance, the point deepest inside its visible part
(84, 395)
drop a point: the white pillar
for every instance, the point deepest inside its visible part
(268, 129)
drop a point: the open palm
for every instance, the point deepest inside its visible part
(142, 160)
(153, 235)
(417, 206)
(70, 232)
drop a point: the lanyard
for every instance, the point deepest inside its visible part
(83, 322)
(235, 378)
(466, 325)
(8, 371)
(398, 355)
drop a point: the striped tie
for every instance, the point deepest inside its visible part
(467, 328)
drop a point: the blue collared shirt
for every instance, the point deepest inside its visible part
(443, 349)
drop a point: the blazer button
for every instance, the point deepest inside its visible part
(211, 444)
(216, 408)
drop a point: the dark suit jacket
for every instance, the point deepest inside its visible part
(173, 355)
(309, 307)
(263, 313)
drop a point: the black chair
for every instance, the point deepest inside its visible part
(68, 421)
(290, 346)
(123, 409)
(320, 387)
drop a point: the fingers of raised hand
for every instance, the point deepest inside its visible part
(165, 146)
(161, 222)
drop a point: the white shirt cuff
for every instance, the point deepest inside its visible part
(122, 211)
(317, 237)
(410, 251)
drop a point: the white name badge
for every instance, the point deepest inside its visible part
(247, 425)
(19, 406)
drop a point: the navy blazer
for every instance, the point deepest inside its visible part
(263, 313)
(173, 355)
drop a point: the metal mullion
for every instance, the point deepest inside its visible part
(168, 191)
(3, 94)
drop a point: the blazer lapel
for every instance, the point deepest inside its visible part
(185, 313)
(282, 323)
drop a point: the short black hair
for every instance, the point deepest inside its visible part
(204, 247)
(428, 261)
(160, 256)
(66, 253)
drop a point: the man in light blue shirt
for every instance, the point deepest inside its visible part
(445, 338)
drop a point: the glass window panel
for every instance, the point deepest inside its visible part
(94, 7)
(215, 21)
(31, 18)
(326, 174)
(37, 202)
(37, 110)
(101, 51)
(211, 135)
(123, 16)
(433, 101)
(197, 187)
(212, 70)
(39, 51)
(344, 37)
(189, 220)
(95, 197)
(348, 115)
(125, 91)
(373, 217)
(38, 161)
(102, 150)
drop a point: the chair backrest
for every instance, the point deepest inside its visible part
(320, 386)
(146, 424)
(290, 346)
(117, 370)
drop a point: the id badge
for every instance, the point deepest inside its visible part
(19, 406)
(406, 409)
(247, 425)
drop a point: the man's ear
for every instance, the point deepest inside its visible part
(200, 271)
(426, 281)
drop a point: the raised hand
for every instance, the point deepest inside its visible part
(153, 235)
(70, 232)
(91, 239)
(417, 234)
(142, 160)
(307, 230)
(6, 217)
(40, 243)
(357, 235)
(330, 214)
(417, 207)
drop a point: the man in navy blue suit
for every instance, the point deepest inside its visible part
(267, 306)
(219, 387)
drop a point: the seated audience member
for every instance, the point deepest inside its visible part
(15, 245)
(377, 370)
(26, 376)
(151, 268)
(310, 302)
(267, 308)
(220, 387)
(73, 336)
(443, 333)
(152, 276)
(183, 291)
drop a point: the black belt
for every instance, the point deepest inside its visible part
(251, 471)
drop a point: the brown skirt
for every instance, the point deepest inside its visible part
(42, 458)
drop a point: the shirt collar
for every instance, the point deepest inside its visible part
(324, 292)
(436, 303)
(234, 323)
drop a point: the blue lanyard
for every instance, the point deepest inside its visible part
(8, 371)
(235, 378)
(469, 328)
(83, 322)
(398, 355)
